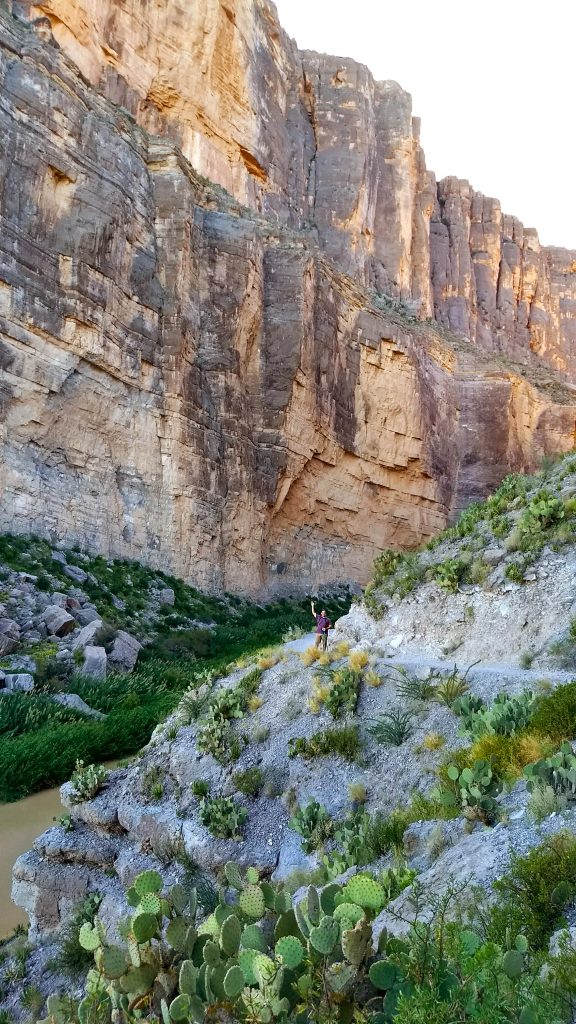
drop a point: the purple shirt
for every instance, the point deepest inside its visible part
(322, 623)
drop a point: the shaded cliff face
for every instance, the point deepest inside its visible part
(192, 383)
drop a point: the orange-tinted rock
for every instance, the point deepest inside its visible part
(216, 392)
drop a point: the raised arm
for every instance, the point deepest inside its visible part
(313, 609)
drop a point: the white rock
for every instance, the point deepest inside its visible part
(57, 621)
(95, 662)
(72, 700)
(124, 654)
(20, 682)
(86, 635)
(167, 596)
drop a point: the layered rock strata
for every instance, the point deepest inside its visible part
(195, 385)
(314, 141)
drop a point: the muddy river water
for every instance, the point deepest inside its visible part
(20, 824)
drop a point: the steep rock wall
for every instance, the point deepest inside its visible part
(187, 383)
(316, 142)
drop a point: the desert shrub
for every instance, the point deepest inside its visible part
(357, 660)
(392, 728)
(249, 782)
(555, 713)
(433, 741)
(544, 801)
(565, 650)
(532, 896)
(105, 637)
(344, 742)
(310, 655)
(71, 958)
(412, 687)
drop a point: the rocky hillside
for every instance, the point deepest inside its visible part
(245, 387)
(391, 750)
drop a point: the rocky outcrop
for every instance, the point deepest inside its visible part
(204, 388)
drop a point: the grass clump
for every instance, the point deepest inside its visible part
(310, 655)
(344, 742)
(357, 660)
(392, 728)
(433, 741)
(249, 782)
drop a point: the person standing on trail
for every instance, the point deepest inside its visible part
(323, 624)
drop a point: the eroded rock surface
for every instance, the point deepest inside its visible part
(215, 390)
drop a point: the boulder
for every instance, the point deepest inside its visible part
(10, 628)
(167, 596)
(21, 682)
(85, 637)
(124, 653)
(94, 662)
(74, 572)
(59, 556)
(86, 615)
(58, 622)
(7, 644)
(72, 700)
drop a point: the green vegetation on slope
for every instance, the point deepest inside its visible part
(524, 514)
(41, 740)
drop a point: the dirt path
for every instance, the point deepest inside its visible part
(490, 675)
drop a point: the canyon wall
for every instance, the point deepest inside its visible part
(206, 380)
(314, 141)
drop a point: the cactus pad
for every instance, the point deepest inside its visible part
(89, 938)
(197, 1010)
(282, 902)
(211, 954)
(149, 904)
(348, 914)
(383, 974)
(251, 902)
(233, 876)
(234, 982)
(113, 962)
(139, 980)
(148, 881)
(180, 1007)
(253, 938)
(188, 977)
(144, 927)
(313, 905)
(366, 892)
(230, 933)
(339, 975)
(291, 950)
(252, 876)
(179, 898)
(356, 942)
(325, 936)
(209, 927)
(287, 925)
(513, 963)
(176, 933)
(247, 961)
(132, 897)
(328, 897)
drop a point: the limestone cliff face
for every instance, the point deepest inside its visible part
(316, 142)
(210, 387)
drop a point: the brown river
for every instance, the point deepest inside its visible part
(20, 824)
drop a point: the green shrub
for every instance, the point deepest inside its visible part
(344, 742)
(392, 728)
(555, 714)
(71, 958)
(533, 894)
(249, 782)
